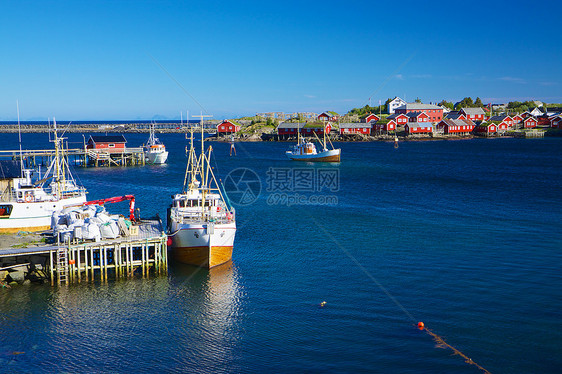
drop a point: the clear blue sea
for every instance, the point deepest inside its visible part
(462, 235)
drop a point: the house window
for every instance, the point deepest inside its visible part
(111, 145)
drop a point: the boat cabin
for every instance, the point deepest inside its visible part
(305, 149)
(191, 206)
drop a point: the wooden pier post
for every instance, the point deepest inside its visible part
(91, 261)
(78, 264)
(51, 268)
(86, 263)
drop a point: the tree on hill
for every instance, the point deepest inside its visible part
(364, 111)
(418, 100)
(447, 104)
(464, 103)
(385, 109)
(478, 103)
(520, 107)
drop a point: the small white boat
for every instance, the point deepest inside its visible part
(154, 150)
(26, 205)
(201, 225)
(306, 151)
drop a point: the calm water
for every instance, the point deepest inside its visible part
(462, 235)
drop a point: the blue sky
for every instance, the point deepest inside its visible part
(80, 60)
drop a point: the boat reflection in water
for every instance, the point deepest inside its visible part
(212, 327)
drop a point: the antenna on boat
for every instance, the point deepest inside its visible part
(298, 129)
(324, 132)
(19, 132)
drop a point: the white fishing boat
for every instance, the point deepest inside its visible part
(27, 205)
(305, 150)
(154, 150)
(201, 224)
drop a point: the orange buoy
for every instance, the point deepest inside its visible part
(421, 325)
(169, 241)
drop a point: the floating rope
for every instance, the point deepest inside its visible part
(441, 343)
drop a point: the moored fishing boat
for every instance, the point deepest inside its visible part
(306, 151)
(201, 224)
(27, 205)
(154, 150)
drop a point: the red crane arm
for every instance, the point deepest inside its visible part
(117, 199)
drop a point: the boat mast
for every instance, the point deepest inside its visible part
(298, 129)
(57, 161)
(324, 132)
(19, 131)
(191, 165)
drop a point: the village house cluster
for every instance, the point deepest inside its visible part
(414, 119)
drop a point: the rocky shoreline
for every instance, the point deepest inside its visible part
(257, 137)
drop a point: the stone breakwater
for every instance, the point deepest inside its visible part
(91, 128)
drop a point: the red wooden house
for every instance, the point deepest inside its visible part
(516, 119)
(417, 117)
(318, 128)
(227, 127)
(556, 122)
(455, 115)
(289, 129)
(543, 120)
(502, 119)
(371, 117)
(398, 118)
(107, 143)
(530, 122)
(458, 126)
(414, 128)
(328, 116)
(355, 128)
(502, 127)
(434, 112)
(485, 129)
(381, 126)
(473, 114)
(526, 115)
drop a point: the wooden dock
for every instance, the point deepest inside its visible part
(141, 254)
(133, 156)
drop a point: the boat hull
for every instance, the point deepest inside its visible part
(157, 157)
(204, 245)
(34, 216)
(332, 155)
